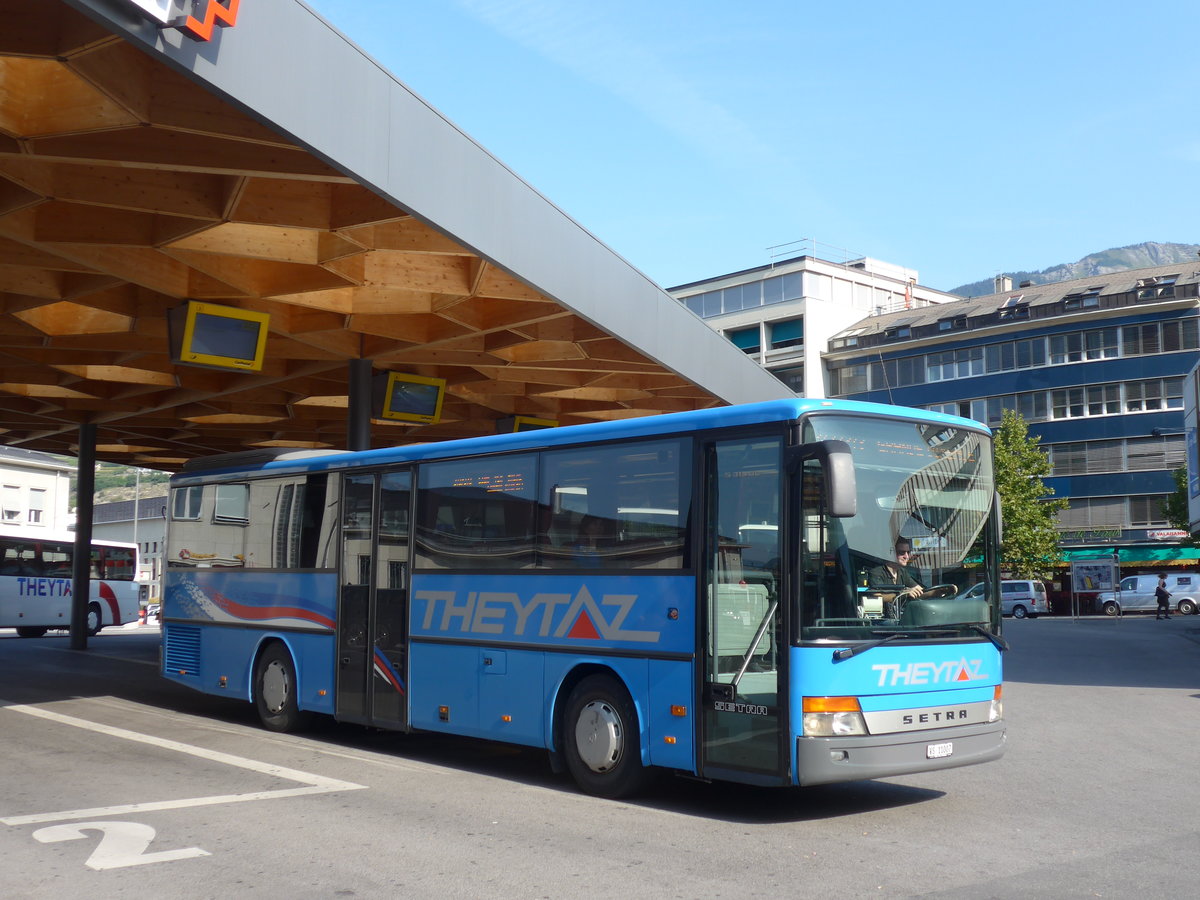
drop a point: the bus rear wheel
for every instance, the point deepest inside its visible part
(95, 620)
(31, 631)
(601, 739)
(275, 691)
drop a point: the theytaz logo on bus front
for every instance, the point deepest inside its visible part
(544, 615)
(951, 672)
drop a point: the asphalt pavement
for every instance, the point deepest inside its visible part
(118, 783)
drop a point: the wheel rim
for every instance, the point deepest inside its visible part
(599, 736)
(1019, 612)
(275, 686)
(93, 619)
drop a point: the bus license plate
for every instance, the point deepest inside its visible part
(937, 751)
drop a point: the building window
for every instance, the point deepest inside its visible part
(969, 362)
(1159, 288)
(1066, 348)
(10, 503)
(1015, 307)
(37, 505)
(1082, 299)
(233, 504)
(1100, 344)
(852, 380)
(185, 502)
(1104, 399)
(788, 333)
(746, 339)
(793, 378)
(1147, 512)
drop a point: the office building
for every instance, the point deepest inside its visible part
(783, 314)
(1095, 366)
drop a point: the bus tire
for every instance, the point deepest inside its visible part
(95, 619)
(275, 691)
(31, 631)
(601, 739)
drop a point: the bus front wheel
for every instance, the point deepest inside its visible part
(275, 691)
(601, 739)
(31, 631)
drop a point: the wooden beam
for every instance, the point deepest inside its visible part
(160, 148)
(43, 97)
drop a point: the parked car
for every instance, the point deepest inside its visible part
(1018, 598)
(1137, 594)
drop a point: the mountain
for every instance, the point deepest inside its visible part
(1135, 256)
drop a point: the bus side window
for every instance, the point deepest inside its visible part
(56, 560)
(20, 558)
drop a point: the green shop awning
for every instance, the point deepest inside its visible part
(1138, 556)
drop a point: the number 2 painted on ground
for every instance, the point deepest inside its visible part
(121, 844)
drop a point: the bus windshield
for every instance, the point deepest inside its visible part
(905, 563)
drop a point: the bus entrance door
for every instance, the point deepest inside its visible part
(372, 685)
(745, 654)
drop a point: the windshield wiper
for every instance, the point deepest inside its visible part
(1000, 642)
(888, 637)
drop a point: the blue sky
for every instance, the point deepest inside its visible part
(958, 139)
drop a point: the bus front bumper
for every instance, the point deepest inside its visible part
(827, 760)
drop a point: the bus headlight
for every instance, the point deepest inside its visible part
(833, 717)
(996, 713)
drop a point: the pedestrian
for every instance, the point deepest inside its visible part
(1163, 596)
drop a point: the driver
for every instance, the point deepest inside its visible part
(889, 576)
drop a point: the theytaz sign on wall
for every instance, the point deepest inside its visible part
(195, 18)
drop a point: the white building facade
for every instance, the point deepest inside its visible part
(782, 315)
(35, 491)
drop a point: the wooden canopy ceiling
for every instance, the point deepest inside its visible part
(125, 189)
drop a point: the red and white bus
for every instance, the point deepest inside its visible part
(36, 583)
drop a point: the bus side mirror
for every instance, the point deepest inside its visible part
(841, 488)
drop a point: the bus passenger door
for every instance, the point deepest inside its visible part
(745, 645)
(372, 686)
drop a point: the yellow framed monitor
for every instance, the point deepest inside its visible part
(411, 398)
(218, 337)
(523, 423)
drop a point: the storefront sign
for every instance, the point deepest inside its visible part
(1167, 534)
(195, 18)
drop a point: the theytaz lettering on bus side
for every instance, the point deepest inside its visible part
(43, 587)
(542, 615)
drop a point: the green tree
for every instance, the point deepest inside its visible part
(1175, 507)
(1030, 548)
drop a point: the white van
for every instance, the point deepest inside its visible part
(1137, 593)
(1018, 598)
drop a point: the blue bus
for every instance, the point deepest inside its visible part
(715, 593)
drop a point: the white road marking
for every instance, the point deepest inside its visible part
(315, 784)
(122, 844)
(293, 741)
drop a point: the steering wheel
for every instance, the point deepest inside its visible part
(939, 590)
